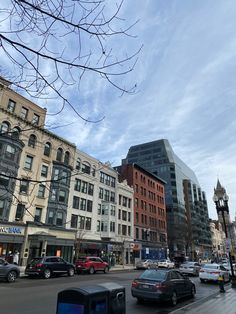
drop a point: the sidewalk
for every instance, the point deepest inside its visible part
(112, 269)
(217, 303)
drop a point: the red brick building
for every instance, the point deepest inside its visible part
(149, 210)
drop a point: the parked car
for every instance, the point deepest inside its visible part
(8, 272)
(190, 268)
(48, 266)
(166, 263)
(91, 264)
(162, 285)
(211, 272)
(146, 264)
(228, 267)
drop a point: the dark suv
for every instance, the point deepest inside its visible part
(49, 265)
(91, 264)
(9, 272)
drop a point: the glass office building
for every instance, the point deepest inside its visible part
(188, 228)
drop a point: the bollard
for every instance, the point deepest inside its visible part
(221, 283)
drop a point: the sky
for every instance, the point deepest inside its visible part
(185, 75)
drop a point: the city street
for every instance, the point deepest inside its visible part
(37, 296)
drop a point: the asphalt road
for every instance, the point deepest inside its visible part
(39, 296)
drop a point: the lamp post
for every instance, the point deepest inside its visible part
(222, 207)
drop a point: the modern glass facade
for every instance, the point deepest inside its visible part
(181, 203)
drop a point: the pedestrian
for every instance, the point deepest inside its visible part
(221, 283)
(16, 258)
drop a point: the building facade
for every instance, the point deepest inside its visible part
(218, 241)
(149, 212)
(187, 213)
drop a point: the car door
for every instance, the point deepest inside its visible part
(2, 268)
(178, 283)
(62, 265)
(53, 264)
(100, 265)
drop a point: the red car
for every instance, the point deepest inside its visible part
(91, 264)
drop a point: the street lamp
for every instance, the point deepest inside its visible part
(222, 207)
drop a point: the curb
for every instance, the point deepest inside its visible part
(188, 307)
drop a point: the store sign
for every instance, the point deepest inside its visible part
(11, 230)
(135, 246)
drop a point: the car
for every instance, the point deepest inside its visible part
(211, 272)
(91, 264)
(166, 263)
(48, 266)
(162, 285)
(228, 267)
(190, 268)
(145, 264)
(8, 272)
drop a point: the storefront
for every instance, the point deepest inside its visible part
(11, 240)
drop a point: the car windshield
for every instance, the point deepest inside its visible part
(211, 266)
(36, 261)
(158, 275)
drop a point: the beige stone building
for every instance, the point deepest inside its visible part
(218, 237)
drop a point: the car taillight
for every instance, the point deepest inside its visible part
(134, 284)
(215, 272)
(38, 265)
(160, 286)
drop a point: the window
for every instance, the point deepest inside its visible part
(102, 177)
(41, 190)
(74, 221)
(124, 230)
(28, 162)
(98, 225)
(119, 214)
(105, 209)
(137, 217)
(1, 207)
(20, 212)
(32, 141)
(129, 202)
(59, 154)
(38, 213)
(50, 217)
(113, 182)
(35, 119)
(77, 185)
(64, 177)
(11, 105)
(47, 149)
(53, 195)
(3, 179)
(81, 222)
(78, 164)
(24, 113)
(24, 186)
(44, 171)
(124, 201)
(67, 158)
(84, 187)
(93, 171)
(10, 152)
(113, 210)
(88, 223)
(89, 206)
(62, 196)
(129, 230)
(85, 168)
(15, 133)
(100, 193)
(56, 174)
(59, 220)
(99, 209)
(120, 198)
(124, 215)
(112, 197)
(90, 189)
(112, 226)
(107, 195)
(5, 127)
(82, 204)
(129, 216)
(76, 202)
(104, 226)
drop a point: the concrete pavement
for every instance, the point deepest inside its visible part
(217, 303)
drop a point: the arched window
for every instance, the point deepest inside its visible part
(5, 127)
(67, 158)
(32, 141)
(59, 154)
(47, 149)
(15, 132)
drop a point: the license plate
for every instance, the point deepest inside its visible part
(145, 286)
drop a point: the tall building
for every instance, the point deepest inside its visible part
(149, 212)
(186, 206)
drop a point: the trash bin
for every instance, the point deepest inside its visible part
(87, 300)
(116, 297)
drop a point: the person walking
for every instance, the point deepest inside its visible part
(16, 258)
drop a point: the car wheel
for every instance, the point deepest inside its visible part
(91, 270)
(174, 298)
(11, 276)
(71, 272)
(106, 269)
(47, 273)
(193, 292)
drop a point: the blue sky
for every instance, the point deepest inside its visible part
(186, 75)
(186, 78)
